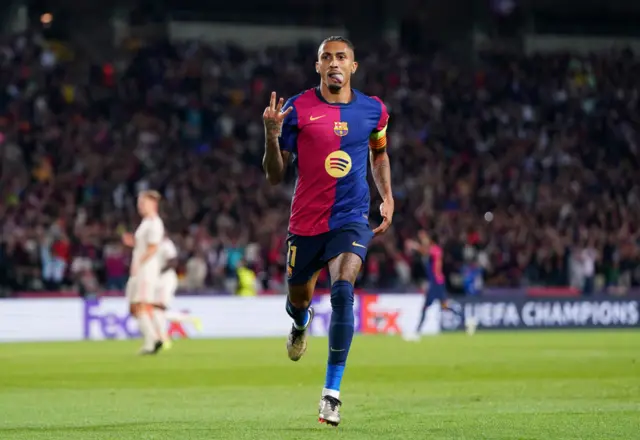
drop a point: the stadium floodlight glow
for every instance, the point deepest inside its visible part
(46, 18)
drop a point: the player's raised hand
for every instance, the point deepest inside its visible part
(386, 211)
(273, 116)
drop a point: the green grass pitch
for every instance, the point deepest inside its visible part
(531, 385)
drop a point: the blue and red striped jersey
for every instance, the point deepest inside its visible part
(434, 265)
(330, 143)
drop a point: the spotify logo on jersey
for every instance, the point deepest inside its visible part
(338, 164)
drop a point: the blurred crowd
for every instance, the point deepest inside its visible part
(526, 168)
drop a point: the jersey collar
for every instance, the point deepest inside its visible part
(354, 97)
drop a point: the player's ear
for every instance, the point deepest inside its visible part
(317, 67)
(354, 67)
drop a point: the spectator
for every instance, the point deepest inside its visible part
(196, 272)
(116, 266)
(588, 256)
(248, 284)
(514, 164)
(84, 276)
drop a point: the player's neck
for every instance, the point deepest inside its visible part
(344, 96)
(151, 215)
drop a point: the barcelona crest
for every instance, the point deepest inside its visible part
(340, 128)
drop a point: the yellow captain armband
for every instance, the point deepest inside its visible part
(378, 139)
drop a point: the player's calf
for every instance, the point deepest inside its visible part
(151, 339)
(341, 331)
(160, 322)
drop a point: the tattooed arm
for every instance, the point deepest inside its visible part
(381, 171)
(380, 167)
(275, 159)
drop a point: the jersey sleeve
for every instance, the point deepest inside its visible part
(289, 136)
(156, 233)
(378, 138)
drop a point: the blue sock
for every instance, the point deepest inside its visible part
(340, 335)
(300, 316)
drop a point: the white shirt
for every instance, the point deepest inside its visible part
(196, 273)
(588, 262)
(167, 252)
(150, 231)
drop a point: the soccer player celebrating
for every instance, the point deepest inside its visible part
(330, 130)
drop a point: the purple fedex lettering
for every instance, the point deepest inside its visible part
(322, 318)
(108, 325)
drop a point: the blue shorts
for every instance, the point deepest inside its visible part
(436, 292)
(308, 254)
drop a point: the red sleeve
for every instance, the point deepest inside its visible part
(384, 115)
(289, 136)
(378, 137)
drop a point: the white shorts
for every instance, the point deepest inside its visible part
(141, 288)
(166, 288)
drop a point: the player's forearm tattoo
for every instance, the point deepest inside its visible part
(381, 170)
(272, 161)
(272, 129)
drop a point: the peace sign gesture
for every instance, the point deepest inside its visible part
(273, 116)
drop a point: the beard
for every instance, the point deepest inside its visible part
(334, 88)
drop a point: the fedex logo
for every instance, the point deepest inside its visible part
(104, 322)
(101, 322)
(376, 319)
(370, 317)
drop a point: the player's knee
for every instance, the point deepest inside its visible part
(134, 309)
(342, 295)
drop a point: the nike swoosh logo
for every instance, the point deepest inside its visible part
(311, 118)
(358, 245)
(334, 350)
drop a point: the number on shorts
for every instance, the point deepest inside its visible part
(291, 254)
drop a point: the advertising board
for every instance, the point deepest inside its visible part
(522, 313)
(222, 317)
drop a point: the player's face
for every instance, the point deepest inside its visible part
(147, 206)
(143, 205)
(335, 65)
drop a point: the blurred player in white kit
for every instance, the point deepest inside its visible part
(166, 291)
(145, 270)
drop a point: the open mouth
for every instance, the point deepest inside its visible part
(336, 77)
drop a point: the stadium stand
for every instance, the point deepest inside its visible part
(525, 166)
